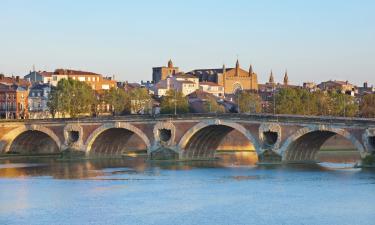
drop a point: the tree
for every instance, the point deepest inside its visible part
(367, 107)
(118, 100)
(211, 105)
(287, 101)
(174, 100)
(72, 98)
(52, 102)
(140, 100)
(248, 102)
(343, 105)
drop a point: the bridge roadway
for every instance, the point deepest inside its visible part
(282, 138)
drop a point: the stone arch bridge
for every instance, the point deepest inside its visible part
(187, 137)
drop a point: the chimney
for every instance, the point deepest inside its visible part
(17, 79)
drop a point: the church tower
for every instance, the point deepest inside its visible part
(286, 79)
(170, 64)
(251, 70)
(237, 68)
(224, 75)
(271, 79)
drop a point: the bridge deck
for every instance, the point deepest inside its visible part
(227, 116)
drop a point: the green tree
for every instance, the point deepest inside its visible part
(367, 107)
(140, 100)
(118, 100)
(287, 101)
(211, 105)
(343, 105)
(248, 102)
(72, 98)
(174, 99)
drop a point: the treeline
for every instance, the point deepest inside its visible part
(303, 102)
(71, 98)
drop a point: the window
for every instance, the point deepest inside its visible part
(105, 86)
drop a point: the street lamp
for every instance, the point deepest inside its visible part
(238, 101)
(274, 99)
(175, 102)
(6, 106)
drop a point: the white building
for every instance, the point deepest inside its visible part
(212, 88)
(184, 83)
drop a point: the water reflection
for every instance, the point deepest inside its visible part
(90, 169)
(231, 190)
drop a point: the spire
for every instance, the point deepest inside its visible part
(251, 70)
(286, 78)
(271, 80)
(170, 64)
(237, 68)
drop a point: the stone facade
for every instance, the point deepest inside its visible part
(13, 101)
(232, 79)
(161, 73)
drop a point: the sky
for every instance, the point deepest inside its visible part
(313, 40)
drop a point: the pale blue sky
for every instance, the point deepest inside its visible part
(315, 40)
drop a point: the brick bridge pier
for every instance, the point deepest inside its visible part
(279, 138)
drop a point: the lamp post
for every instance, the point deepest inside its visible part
(344, 105)
(274, 100)
(238, 102)
(6, 106)
(175, 102)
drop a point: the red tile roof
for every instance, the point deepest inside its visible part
(72, 72)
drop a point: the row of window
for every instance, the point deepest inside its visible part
(11, 106)
(93, 79)
(9, 97)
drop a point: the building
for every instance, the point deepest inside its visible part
(39, 77)
(96, 81)
(181, 82)
(335, 85)
(366, 89)
(13, 101)
(14, 80)
(311, 86)
(37, 101)
(232, 79)
(161, 73)
(212, 88)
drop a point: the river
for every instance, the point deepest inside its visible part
(135, 191)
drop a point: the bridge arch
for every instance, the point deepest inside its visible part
(31, 139)
(112, 138)
(306, 142)
(201, 141)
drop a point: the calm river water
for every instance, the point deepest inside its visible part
(132, 191)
